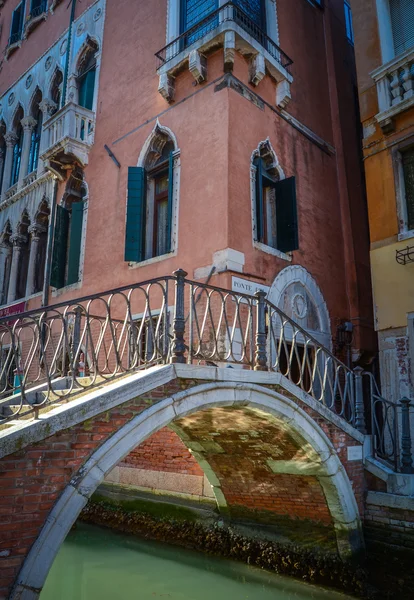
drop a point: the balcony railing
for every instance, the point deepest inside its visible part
(70, 132)
(39, 10)
(395, 87)
(228, 13)
(14, 38)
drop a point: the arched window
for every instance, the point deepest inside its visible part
(41, 232)
(150, 207)
(275, 223)
(5, 262)
(17, 149)
(36, 133)
(68, 236)
(24, 255)
(87, 75)
(56, 88)
(2, 152)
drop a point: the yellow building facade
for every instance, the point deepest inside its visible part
(384, 46)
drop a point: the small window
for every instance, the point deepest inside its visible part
(348, 22)
(408, 171)
(276, 213)
(37, 7)
(17, 24)
(150, 206)
(17, 155)
(402, 24)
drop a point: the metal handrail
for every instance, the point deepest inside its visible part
(228, 12)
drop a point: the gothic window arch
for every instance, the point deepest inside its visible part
(22, 241)
(69, 234)
(5, 262)
(55, 92)
(37, 114)
(18, 145)
(86, 74)
(275, 223)
(152, 198)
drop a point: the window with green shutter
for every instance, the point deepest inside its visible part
(408, 169)
(276, 210)
(75, 242)
(17, 22)
(150, 199)
(60, 246)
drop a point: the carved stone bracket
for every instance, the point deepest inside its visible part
(10, 139)
(18, 239)
(257, 69)
(28, 123)
(48, 107)
(197, 64)
(229, 50)
(283, 94)
(166, 87)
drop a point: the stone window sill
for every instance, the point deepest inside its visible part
(33, 22)
(273, 251)
(11, 48)
(19, 300)
(406, 235)
(151, 261)
(68, 288)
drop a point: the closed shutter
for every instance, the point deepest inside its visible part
(87, 89)
(286, 215)
(259, 202)
(75, 240)
(60, 245)
(170, 202)
(402, 23)
(135, 218)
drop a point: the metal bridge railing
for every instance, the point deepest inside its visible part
(51, 354)
(229, 12)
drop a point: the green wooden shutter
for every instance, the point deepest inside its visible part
(170, 202)
(135, 218)
(16, 22)
(75, 240)
(87, 89)
(60, 245)
(286, 215)
(259, 202)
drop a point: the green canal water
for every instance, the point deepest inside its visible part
(99, 564)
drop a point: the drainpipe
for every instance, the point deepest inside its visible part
(66, 75)
(49, 249)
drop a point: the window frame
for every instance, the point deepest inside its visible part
(349, 26)
(404, 232)
(19, 33)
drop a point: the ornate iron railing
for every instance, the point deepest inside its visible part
(229, 12)
(49, 355)
(14, 38)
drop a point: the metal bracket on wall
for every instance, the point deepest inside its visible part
(405, 256)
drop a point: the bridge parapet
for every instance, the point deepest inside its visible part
(52, 355)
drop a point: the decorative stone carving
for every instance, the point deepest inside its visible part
(197, 64)
(28, 123)
(10, 139)
(18, 239)
(98, 14)
(166, 87)
(257, 69)
(63, 47)
(229, 50)
(29, 81)
(299, 305)
(48, 63)
(48, 107)
(12, 98)
(283, 94)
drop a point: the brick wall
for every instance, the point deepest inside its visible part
(164, 451)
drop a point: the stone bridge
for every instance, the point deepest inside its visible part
(279, 455)
(275, 421)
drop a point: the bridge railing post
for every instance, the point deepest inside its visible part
(260, 357)
(178, 344)
(406, 455)
(359, 401)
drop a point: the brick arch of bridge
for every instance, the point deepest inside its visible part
(103, 452)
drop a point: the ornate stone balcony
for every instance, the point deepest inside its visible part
(230, 28)
(67, 137)
(395, 88)
(35, 17)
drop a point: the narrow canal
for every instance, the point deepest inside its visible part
(99, 564)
